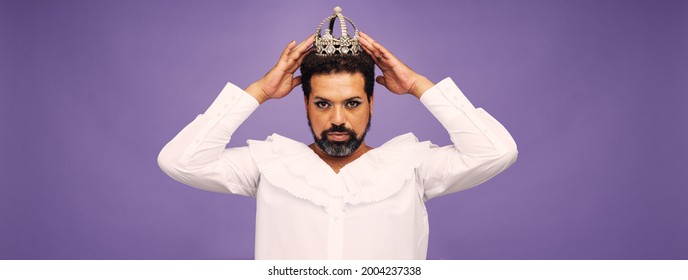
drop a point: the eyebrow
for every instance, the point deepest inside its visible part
(355, 98)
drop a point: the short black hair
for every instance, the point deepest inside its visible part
(314, 64)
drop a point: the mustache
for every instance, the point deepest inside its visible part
(338, 128)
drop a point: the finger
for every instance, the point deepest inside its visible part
(367, 50)
(304, 45)
(297, 63)
(298, 51)
(383, 54)
(295, 82)
(286, 50)
(366, 37)
(377, 59)
(372, 48)
(381, 80)
(303, 55)
(379, 56)
(380, 52)
(373, 43)
(371, 51)
(366, 42)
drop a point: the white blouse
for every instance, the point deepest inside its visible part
(374, 208)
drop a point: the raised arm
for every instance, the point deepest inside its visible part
(280, 80)
(198, 156)
(396, 76)
(482, 146)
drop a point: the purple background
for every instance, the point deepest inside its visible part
(594, 92)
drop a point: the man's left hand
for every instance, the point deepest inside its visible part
(396, 76)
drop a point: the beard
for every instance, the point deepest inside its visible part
(339, 148)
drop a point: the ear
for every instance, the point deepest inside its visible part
(372, 102)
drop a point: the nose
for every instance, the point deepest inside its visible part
(337, 117)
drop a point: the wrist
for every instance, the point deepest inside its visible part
(257, 92)
(420, 86)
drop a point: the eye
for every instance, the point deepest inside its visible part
(353, 104)
(322, 104)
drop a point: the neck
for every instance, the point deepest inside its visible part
(337, 163)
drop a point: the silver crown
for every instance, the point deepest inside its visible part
(326, 44)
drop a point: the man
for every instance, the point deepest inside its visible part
(339, 198)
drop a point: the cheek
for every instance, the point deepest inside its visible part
(361, 121)
(318, 121)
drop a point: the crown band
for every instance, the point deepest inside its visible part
(326, 44)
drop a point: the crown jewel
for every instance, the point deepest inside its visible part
(326, 44)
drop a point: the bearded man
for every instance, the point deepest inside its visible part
(339, 198)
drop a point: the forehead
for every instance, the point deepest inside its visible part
(338, 86)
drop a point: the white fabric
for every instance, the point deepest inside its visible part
(374, 208)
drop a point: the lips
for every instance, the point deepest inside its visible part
(338, 136)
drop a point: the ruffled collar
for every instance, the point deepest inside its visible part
(375, 176)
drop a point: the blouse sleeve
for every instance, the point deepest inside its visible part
(198, 156)
(482, 146)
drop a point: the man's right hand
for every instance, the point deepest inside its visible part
(280, 80)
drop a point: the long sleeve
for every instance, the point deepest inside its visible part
(198, 156)
(482, 146)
